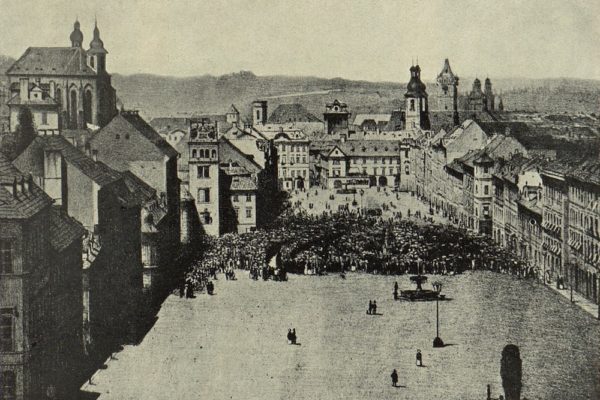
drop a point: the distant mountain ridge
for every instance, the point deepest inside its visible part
(156, 95)
(171, 96)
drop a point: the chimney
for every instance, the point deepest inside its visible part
(52, 89)
(24, 89)
(95, 155)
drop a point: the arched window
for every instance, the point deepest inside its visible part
(213, 154)
(194, 153)
(73, 110)
(87, 106)
(58, 96)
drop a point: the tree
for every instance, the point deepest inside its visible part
(25, 131)
(511, 373)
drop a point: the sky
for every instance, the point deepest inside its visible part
(355, 39)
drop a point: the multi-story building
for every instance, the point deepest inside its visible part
(101, 201)
(349, 164)
(44, 109)
(73, 78)
(583, 227)
(555, 223)
(40, 292)
(292, 158)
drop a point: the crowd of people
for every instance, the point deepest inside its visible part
(300, 242)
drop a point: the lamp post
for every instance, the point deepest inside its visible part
(571, 281)
(437, 342)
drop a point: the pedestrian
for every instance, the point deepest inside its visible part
(394, 378)
(419, 358)
(370, 307)
(374, 307)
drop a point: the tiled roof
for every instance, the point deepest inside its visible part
(148, 132)
(25, 203)
(16, 100)
(69, 61)
(587, 171)
(140, 189)
(63, 230)
(96, 171)
(229, 153)
(377, 118)
(291, 113)
(164, 125)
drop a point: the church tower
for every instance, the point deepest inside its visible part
(489, 95)
(447, 91)
(417, 108)
(204, 180)
(97, 53)
(76, 36)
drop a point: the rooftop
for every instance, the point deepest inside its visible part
(70, 61)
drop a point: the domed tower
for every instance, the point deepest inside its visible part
(489, 95)
(76, 36)
(417, 109)
(97, 53)
(447, 91)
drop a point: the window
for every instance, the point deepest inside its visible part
(336, 162)
(407, 169)
(237, 212)
(235, 198)
(8, 385)
(194, 153)
(6, 329)
(486, 190)
(204, 195)
(213, 154)
(248, 212)
(44, 118)
(248, 197)
(6, 262)
(412, 105)
(205, 217)
(485, 170)
(203, 171)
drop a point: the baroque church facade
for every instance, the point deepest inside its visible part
(74, 78)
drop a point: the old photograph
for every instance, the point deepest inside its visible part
(299, 199)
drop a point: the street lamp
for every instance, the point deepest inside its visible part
(437, 342)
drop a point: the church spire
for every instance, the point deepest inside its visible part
(76, 36)
(97, 45)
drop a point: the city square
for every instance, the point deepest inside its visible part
(233, 345)
(299, 200)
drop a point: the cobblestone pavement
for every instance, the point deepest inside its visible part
(232, 345)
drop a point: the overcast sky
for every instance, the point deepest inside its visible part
(355, 39)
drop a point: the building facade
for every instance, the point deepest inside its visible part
(74, 78)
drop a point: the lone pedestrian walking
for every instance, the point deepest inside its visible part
(394, 378)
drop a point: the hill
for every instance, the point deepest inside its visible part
(170, 96)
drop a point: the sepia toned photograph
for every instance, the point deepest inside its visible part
(299, 199)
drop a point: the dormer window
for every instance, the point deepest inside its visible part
(92, 62)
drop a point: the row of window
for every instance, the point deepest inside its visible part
(296, 159)
(294, 173)
(248, 212)
(294, 148)
(204, 153)
(236, 198)
(376, 160)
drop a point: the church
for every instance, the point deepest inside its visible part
(65, 87)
